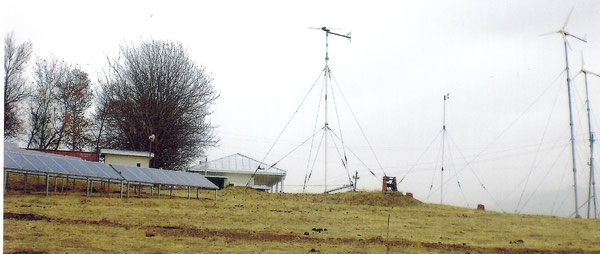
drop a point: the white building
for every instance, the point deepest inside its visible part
(129, 158)
(238, 170)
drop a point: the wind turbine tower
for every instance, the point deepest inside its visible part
(327, 77)
(592, 181)
(565, 34)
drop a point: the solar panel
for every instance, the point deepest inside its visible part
(57, 164)
(167, 177)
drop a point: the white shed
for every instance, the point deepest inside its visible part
(238, 170)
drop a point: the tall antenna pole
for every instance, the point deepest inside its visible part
(446, 97)
(572, 135)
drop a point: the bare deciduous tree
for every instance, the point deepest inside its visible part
(61, 95)
(15, 62)
(74, 98)
(156, 88)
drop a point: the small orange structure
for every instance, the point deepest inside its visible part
(389, 184)
(480, 207)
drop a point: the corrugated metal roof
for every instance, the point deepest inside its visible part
(238, 163)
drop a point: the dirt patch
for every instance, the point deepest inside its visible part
(25, 216)
(26, 252)
(31, 216)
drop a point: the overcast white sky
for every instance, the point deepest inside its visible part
(507, 115)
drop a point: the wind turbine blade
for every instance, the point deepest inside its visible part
(568, 17)
(548, 33)
(593, 73)
(583, 40)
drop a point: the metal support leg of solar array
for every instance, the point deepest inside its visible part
(5, 179)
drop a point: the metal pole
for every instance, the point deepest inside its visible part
(55, 183)
(127, 189)
(446, 96)
(151, 191)
(25, 184)
(62, 188)
(188, 188)
(5, 179)
(108, 189)
(159, 191)
(171, 192)
(592, 182)
(47, 183)
(197, 193)
(121, 190)
(215, 195)
(572, 134)
(87, 184)
(326, 108)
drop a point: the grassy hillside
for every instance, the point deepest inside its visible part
(243, 220)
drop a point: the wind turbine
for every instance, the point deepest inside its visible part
(327, 77)
(592, 181)
(565, 34)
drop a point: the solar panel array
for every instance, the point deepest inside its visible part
(53, 164)
(58, 164)
(159, 176)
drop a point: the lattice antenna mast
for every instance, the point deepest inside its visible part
(592, 181)
(326, 83)
(565, 34)
(446, 97)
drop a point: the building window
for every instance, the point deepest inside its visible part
(139, 164)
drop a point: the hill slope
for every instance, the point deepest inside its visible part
(243, 220)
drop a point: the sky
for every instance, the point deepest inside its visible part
(507, 120)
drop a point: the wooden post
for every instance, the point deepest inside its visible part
(188, 192)
(159, 191)
(121, 189)
(127, 189)
(47, 183)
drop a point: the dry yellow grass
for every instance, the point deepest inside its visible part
(243, 220)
